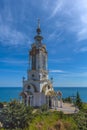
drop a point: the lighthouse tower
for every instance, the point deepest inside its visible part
(37, 86)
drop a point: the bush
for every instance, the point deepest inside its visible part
(68, 99)
(81, 120)
(44, 108)
(1, 105)
(16, 115)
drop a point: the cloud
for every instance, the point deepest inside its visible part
(11, 36)
(63, 15)
(82, 34)
(57, 7)
(72, 14)
(14, 61)
(79, 19)
(76, 75)
(12, 71)
(13, 23)
(56, 71)
(69, 78)
(81, 49)
(60, 60)
(55, 35)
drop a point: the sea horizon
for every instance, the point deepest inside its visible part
(53, 87)
(10, 93)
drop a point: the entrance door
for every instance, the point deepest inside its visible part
(50, 102)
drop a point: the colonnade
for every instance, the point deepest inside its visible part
(55, 101)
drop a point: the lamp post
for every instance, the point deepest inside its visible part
(52, 80)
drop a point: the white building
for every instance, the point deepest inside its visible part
(37, 89)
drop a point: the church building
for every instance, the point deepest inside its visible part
(37, 88)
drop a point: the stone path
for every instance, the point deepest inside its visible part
(67, 108)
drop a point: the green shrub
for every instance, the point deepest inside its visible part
(1, 105)
(16, 115)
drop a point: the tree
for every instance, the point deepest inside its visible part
(78, 101)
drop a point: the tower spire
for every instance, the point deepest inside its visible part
(38, 28)
(38, 23)
(38, 37)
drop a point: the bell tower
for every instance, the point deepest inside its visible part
(38, 58)
(37, 85)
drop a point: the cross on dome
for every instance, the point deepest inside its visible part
(38, 23)
(38, 28)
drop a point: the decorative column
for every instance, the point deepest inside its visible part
(47, 100)
(54, 103)
(27, 100)
(61, 103)
(30, 100)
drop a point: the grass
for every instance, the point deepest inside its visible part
(52, 121)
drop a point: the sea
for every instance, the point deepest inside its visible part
(10, 93)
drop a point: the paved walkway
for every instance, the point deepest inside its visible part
(67, 108)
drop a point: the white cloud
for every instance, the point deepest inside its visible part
(84, 49)
(82, 34)
(14, 61)
(57, 7)
(55, 35)
(56, 71)
(63, 15)
(60, 60)
(81, 49)
(12, 19)
(76, 75)
(72, 14)
(11, 36)
(71, 79)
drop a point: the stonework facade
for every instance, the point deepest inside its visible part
(37, 88)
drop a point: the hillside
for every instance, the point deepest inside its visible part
(16, 116)
(52, 121)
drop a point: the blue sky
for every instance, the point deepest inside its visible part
(64, 28)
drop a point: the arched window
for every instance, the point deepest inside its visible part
(48, 87)
(32, 75)
(28, 87)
